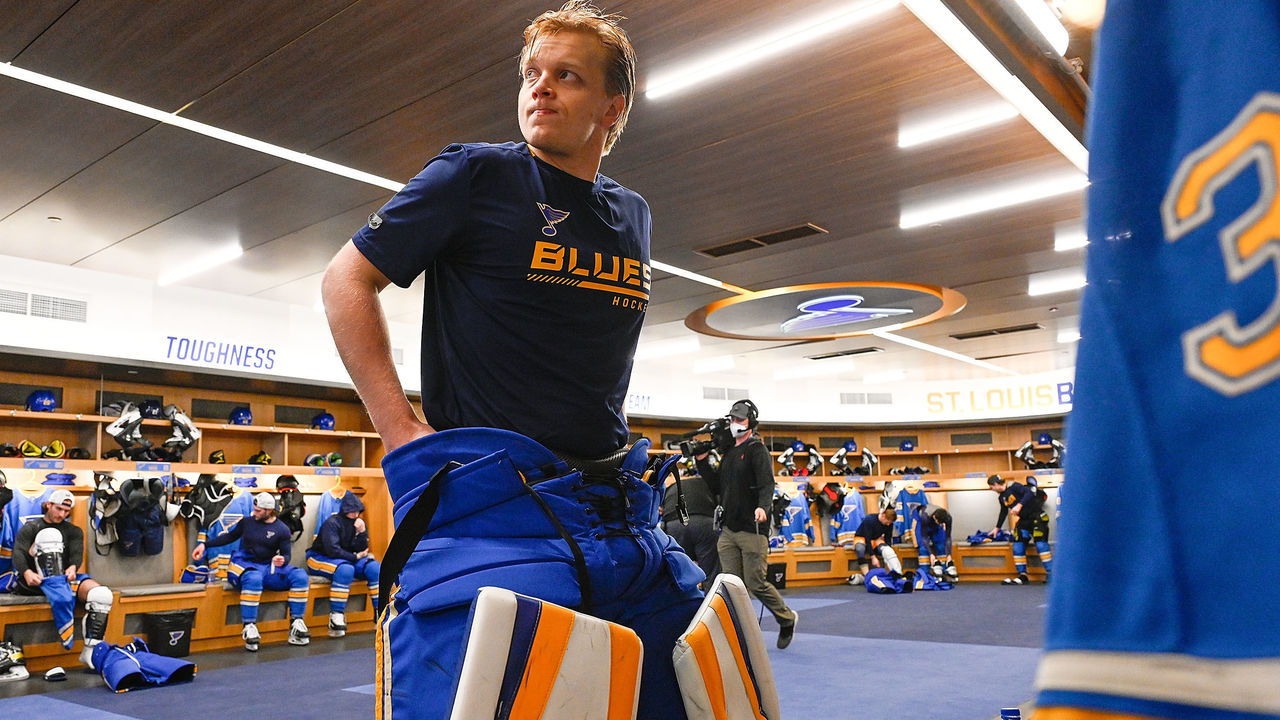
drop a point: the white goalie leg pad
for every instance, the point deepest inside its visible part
(531, 656)
(721, 661)
(890, 559)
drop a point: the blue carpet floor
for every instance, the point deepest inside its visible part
(959, 655)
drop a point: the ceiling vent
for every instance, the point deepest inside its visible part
(998, 331)
(846, 353)
(765, 240)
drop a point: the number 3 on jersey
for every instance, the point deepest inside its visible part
(1224, 356)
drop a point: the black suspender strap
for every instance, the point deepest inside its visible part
(410, 531)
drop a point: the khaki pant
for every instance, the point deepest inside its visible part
(746, 554)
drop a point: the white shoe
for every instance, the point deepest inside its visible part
(86, 655)
(856, 579)
(298, 633)
(938, 570)
(1019, 580)
(251, 637)
(337, 624)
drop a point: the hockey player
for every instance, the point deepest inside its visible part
(341, 553)
(933, 542)
(260, 563)
(872, 543)
(1024, 506)
(47, 555)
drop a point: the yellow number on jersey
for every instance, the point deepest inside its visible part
(1224, 356)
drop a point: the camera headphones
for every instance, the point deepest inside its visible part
(746, 409)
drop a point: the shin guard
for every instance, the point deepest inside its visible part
(528, 656)
(721, 660)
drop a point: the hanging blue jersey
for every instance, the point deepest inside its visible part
(240, 507)
(1179, 350)
(797, 525)
(527, 267)
(907, 504)
(845, 524)
(17, 512)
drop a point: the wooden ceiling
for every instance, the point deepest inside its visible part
(382, 85)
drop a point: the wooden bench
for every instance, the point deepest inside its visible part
(28, 621)
(832, 565)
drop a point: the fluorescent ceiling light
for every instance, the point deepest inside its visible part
(197, 127)
(667, 348)
(1069, 236)
(690, 275)
(199, 265)
(953, 124)
(732, 59)
(813, 368)
(84, 93)
(887, 376)
(1047, 22)
(1006, 194)
(939, 351)
(715, 364)
(1055, 282)
(944, 24)
(1069, 335)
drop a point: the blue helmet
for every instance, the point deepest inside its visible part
(240, 416)
(798, 446)
(150, 409)
(323, 421)
(850, 446)
(906, 446)
(41, 401)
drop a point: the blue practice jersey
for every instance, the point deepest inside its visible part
(797, 525)
(845, 524)
(1179, 350)
(537, 284)
(907, 504)
(17, 512)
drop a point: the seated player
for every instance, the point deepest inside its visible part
(262, 562)
(933, 542)
(47, 553)
(1024, 505)
(872, 545)
(341, 553)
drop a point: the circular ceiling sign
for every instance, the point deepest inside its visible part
(825, 311)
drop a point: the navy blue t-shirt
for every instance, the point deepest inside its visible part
(536, 287)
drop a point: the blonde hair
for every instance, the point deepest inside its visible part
(620, 63)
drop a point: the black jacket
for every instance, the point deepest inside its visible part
(698, 498)
(744, 482)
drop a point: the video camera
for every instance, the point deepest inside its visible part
(721, 438)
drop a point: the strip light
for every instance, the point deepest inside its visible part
(939, 351)
(1069, 335)
(935, 15)
(811, 368)
(690, 275)
(667, 348)
(714, 364)
(1069, 236)
(1047, 22)
(959, 123)
(200, 264)
(1006, 194)
(734, 58)
(1049, 283)
(176, 120)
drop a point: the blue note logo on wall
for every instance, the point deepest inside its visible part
(826, 311)
(834, 311)
(223, 354)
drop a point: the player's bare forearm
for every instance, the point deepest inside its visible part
(350, 291)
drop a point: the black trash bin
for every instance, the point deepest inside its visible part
(777, 574)
(169, 633)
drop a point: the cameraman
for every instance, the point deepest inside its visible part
(744, 482)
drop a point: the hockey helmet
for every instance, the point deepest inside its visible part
(240, 416)
(151, 409)
(41, 401)
(323, 421)
(262, 457)
(218, 457)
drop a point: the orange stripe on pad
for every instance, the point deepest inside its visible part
(550, 640)
(625, 653)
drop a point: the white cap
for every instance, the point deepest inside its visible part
(63, 498)
(264, 500)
